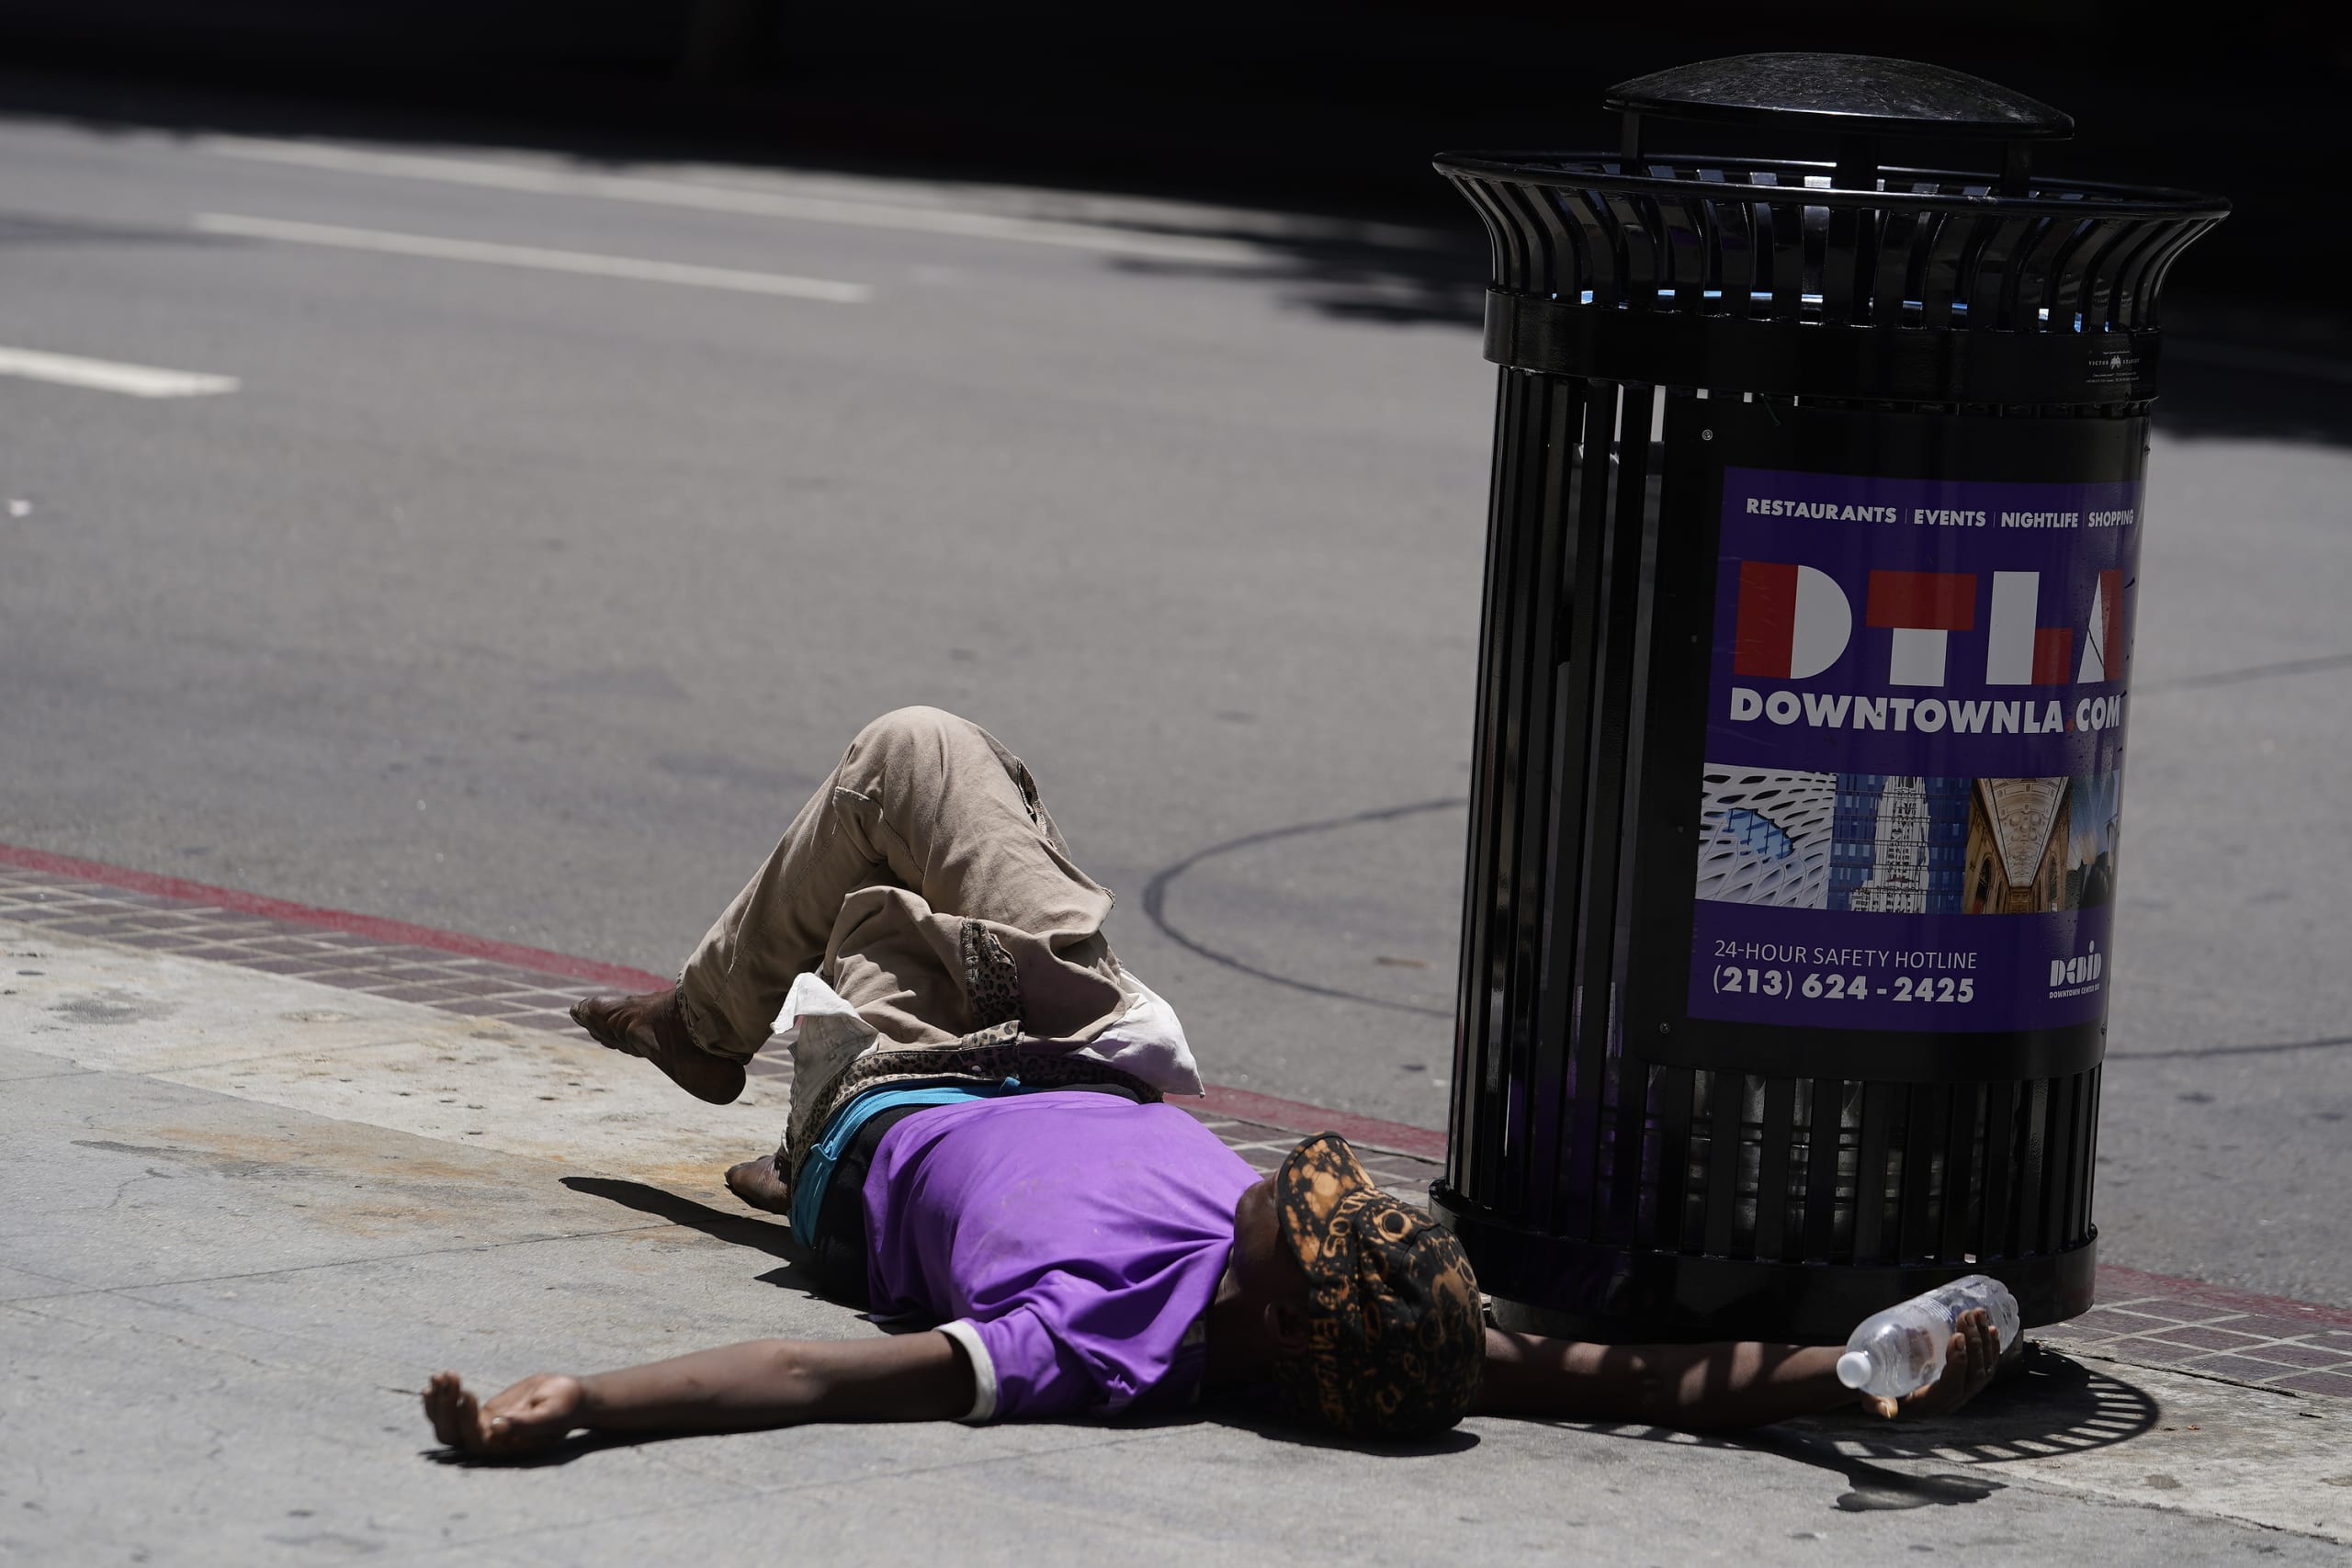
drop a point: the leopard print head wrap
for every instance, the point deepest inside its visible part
(1395, 1340)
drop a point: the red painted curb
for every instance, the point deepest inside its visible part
(1300, 1117)
(1296, 1116)
(2118, 1285)
(330, 920)
(1289, 1115)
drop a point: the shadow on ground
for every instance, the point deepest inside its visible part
(742, 1230)
(2052, 1404)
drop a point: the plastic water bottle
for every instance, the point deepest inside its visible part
(1901, 1350)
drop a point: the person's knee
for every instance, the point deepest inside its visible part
(909, 727)
(898, 752)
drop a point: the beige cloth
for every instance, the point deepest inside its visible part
(927, 885)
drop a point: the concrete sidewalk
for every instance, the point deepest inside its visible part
(245, 1213)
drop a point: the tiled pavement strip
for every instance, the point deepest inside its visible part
(520, 986)
(2141, 1319)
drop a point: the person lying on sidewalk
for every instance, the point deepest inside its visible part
(978, 1138)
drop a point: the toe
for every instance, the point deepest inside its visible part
(595, 1014)
(757, 1183)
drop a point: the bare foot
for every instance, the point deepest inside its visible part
(649, 1026)
(758, 1183)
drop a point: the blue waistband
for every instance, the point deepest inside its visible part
(809, 1192)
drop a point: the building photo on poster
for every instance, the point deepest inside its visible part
(1914, 751)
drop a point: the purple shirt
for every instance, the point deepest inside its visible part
(1069, 1241)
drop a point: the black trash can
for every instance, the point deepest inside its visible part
(1802, 689)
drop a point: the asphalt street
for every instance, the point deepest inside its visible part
(563, 521)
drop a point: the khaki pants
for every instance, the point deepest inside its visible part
(927, 885)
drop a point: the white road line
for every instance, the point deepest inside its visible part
(536, 256)
(813, 207)
(110, 376)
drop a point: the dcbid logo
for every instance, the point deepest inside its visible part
(2080, 971)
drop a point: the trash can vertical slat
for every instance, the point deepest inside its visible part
(1898, 248)
(1879, 1108)
(2057, 1188)
(1729, 1094)
(1503, 235)
(2135, 299)
(1733, 225)
(1821, 1170)
(1676, 1087)
(2026, 295)
(1539, 748)
(2110, 301)
(1843, 253)
(1990, 273)
(1601, 632)
(1928, 1119)
(2082, 1216)
(1995, 1227)
(1537, 225)
(1515, 998)
(1685, 248)
(1772, 1178)
(1964, 1184)
(1471, 1162)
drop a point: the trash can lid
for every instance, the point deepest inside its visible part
(1856, 94)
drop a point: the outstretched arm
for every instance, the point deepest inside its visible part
(1707, 1387)
(737, 1388)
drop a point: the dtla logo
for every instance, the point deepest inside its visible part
(1794, 622)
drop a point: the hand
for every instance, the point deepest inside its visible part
(538, 1411)
(1970, 1362)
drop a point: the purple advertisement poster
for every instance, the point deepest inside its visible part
(1915, 746)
